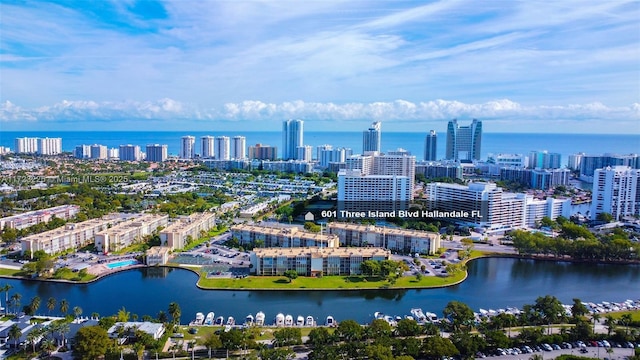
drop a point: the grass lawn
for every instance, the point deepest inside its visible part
(10, 272)
(635, 314)
(327, 282)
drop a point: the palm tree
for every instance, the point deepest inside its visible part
(95, 315)
(175, 312)
(77, 311)
(51, 304)
(609, 322)
(15, 301)
(32, 338)
(162, 317)
(49, 345)
(595, 317)
(625, 320)
(62, 329)
(35, 304)
(15, 333)
(6, 289)
(64, 307)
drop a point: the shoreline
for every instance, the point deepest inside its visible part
(197, 273)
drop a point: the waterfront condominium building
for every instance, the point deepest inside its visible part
(464, 142)
(24, 220)
(292, 137)
(305, 152)
(550, 207)
(327, 155)
(616, 190)
(26, 145)
(178, 234)
(99, 152)
(543, 179)
(49, 146)
(128, 232)
(282, 236)
(313, 261)
(129, 152)
(222, 148)
(157, 152)
(290, 166)
(407, 241)
(508, 160)
(207, 147)
(574, 161)
(371, 138)
(589, 163)
(238, 147)
(440, 169)
(544, 160)
(263, 152)
(430, 146)
(187, 147)
(477, 204)
(82, 152)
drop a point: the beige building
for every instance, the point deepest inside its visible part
(24, 220)
(282, 236)
(175, 235)
(128, 232)
(389, 238)
(314, 261)
(71, 236)
(157, 255)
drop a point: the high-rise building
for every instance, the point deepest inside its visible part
(114, 153)
(544, 160)
(263, 152)
(129, 152)
(616, 190)
(82, 152)
(222, 148)
(26, 145)
(304, 153)
(589, 163)
(207, 147)
(157, 152)
(327, 155)
(371, 137)
(509, 160)
(292, 137)
(574, 161)
(99, 152)
(238, 147)
(187, 147)
(430, 153)
(49, 146)
(464, 142)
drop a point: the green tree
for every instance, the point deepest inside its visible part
(436, 347)
(34, 305)
(291, 275)
(460, 314)
(77, 311)
(609, 322)
(320, 336)
(211, 341)
(370, 267)
(578, 309)
(91, 342)
(51, 304)
(550, 308)
(49, 345)
(5, 288)
(378, 329)
(349, 330)
(287, 336)
(277, 354)
(175, 312)
(232, 340)
(14, 334)
(408, 327)
(64, 306)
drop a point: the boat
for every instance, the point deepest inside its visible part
(209, 319)
(219, 321)
(199, 319)
(378, 315)
(418, 315)
(231, 321)
(279, 321)
(330, 321)
(398, 318)
(431, 317)
(288, 320)
(248, 320)
(310, 321)
(300, 321)
(260, 318)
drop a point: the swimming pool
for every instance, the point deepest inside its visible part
(121, 264)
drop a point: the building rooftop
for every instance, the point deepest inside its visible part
(284, 231)
(321, 252)
(381, 230)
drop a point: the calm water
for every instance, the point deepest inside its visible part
(492, 283)
(564, 144)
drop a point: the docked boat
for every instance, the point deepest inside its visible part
(260, 318)
(299, 321)
(248, 321)
(279, 320)
(309, 321)
(378, 315)
(219, 321)
(418, 315)
(231, 321)
(432, 317)
(330, 321)
(288, 320)
(199, 319)
(209, 319)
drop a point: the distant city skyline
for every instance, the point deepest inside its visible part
(223, 66)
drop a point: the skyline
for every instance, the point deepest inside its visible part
(218, 66)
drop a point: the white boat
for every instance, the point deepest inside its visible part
(209, 319)
(231, 321)
(199, 318)
(310, 321)
(288, 320)
(299, 321)
(378, 315)
(219, 320)
(248, 320)
(418, 314)
(431, 317)
(279, 321)
(330, 321)
(260, 318)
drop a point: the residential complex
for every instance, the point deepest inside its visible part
(238, 147)
(464, 142)
(40, 146)
(157, 255)
(616, 190)
(178, 233)
(26, 145)
(282, 236)
(549, 207)
(508, 160)
(207, 147)
(590, 163)
(128, 231)
(129, 153)
(24, 220)
(543, 179)
(292, 137)
(222, 148)
(304, 153)
(263, 152)
(157, 153)
(412, 241)
(430, 146)
(371, 138)
(314, 261)
(187, 147)
(544, 160)
(440, 169)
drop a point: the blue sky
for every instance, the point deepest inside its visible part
(519, 66)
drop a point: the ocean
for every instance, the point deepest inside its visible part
(517, 143)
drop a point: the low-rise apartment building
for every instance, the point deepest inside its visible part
(285, 237)
(128, 232)
(24, 220)
(177, 233)
(157, 255)
(314, 261)
(385, 237)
